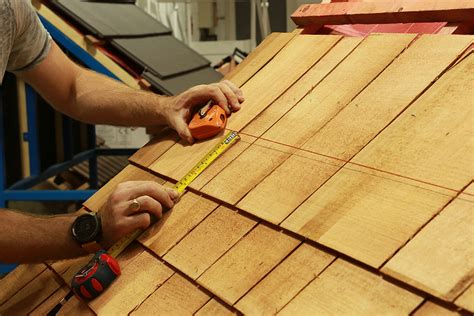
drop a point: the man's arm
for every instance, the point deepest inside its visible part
(94, 98)
(28, 238)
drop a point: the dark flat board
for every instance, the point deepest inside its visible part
(180, 83)
(111, 19)
(163, 56)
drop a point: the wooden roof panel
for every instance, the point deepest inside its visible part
(247, 262)
(366, 214)
(422, 262)
(345, 289)
(338, 88)
(400, 84)
(302, 87)
(221, 249)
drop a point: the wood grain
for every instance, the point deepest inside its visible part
(138, 280)
(17, 279)
(259, 57)
(45, 307)
(344, 83)
(400, 11)
(439, 259)
(160, 143)
(246, 171)
(31, 295)
(181, 157)
(429, 308)
(247, 262)
(129, 173)
(303, 86)
(258, 96)
(177, 222)
(386, 97)
(367, 214)
(176, 297)
(466, 300)
(218, 165)
(432, 140)
(285, 281)
(209, 241)
(281, 192)
(345, 289)
(75, 307)
(213, 308)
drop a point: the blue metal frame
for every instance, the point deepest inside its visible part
(19, 190)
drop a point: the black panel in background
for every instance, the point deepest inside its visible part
(104, 19)
(176, 85)
(164, 56)
(276, 12)
(46, 134)
(242, 20)
(11, 130)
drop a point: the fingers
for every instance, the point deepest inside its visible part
(182, 129)
(236, 90)
(141, 220)
(147, 204)
(135, 189)
(231, 97)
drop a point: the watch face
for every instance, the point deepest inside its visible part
(85, 228)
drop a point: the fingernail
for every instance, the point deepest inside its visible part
(174, 194)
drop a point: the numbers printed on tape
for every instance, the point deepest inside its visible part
(182, 184)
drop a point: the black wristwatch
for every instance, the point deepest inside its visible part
(87, 231)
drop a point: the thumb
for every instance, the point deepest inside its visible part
(183, 131)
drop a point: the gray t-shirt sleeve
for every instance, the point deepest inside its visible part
(31, 41)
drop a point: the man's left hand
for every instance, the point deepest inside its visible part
(178, 109)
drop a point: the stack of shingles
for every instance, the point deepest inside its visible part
(168, 64)
(350, 192)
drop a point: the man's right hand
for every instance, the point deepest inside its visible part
(121, 214)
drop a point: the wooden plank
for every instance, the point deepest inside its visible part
(138, 280)
(181, 157)
(160, 143)
(432, 140)
(291, 183)
(247, 263)
(345, 289)
(258, 96)
(17, 279)
(129, 173)
(344, 83)
(75, 307)
(259, 57)
(301, 87)
(466, 300)
(177, 222)
(366, 214)
(251, 167)
(438, 259)
(32, 295)
(387, 96)
(285, 281)
(401, 11)
(177, 297)
(209, 241)
(429, 308)
(50, 302)
(213, 308)
(218, 165)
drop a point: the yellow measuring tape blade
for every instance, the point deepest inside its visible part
(182, 184)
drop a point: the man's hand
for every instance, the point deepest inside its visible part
(120, 215)
(178, 110)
